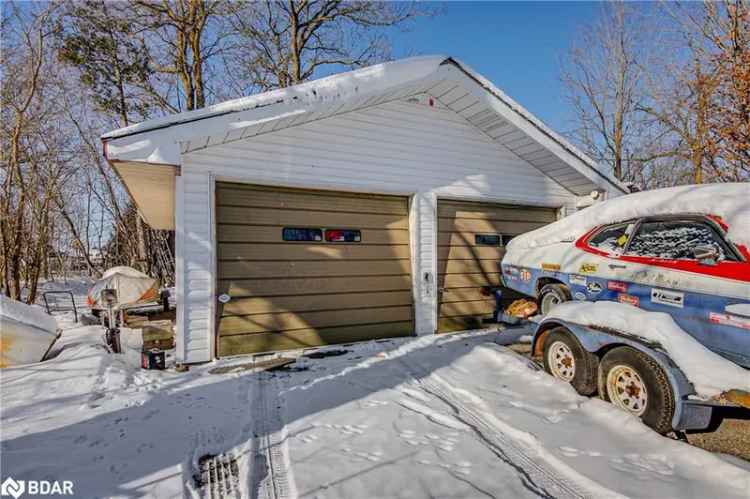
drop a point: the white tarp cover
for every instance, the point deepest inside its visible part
(26, 332)
(132, 286)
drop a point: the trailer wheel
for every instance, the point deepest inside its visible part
(634, 382)
(552, 295)
(567, 360)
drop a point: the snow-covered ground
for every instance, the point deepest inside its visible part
(440, 416)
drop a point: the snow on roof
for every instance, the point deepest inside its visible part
(709, 373)
(381, 79)
(334, 87)
(731, 202)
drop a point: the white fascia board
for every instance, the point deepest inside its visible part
(158, 141)
(159, 147)
(517, 115)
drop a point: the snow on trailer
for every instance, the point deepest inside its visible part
(676, 263)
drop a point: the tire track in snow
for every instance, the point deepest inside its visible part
(553, 479)
(271, 471)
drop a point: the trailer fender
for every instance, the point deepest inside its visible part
(687, 416)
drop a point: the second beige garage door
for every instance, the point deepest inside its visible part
(307, 268)
(471, 239)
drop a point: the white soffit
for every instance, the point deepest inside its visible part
(152, 188)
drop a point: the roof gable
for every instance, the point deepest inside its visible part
(453, 84)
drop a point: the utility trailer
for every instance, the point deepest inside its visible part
(680, 251)
(631, 372)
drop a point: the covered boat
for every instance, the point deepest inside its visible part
(132, 287)
(26, 333)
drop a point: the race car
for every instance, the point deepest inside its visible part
(681, 250)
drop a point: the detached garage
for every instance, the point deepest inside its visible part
(370, 204)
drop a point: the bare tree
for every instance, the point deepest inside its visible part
(603, 79)
(725, 31)
(287, 42)
(699, 91)
(188, 34)
(33, 153)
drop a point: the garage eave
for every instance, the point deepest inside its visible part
(152, 188)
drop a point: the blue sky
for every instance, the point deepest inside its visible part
(516, 45)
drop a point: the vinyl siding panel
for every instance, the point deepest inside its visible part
(396, 147)
(195, 269)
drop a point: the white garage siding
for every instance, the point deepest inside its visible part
(399, 147)
(195, 267)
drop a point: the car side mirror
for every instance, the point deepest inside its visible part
(706, 254)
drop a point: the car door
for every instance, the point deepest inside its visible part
(684, 266)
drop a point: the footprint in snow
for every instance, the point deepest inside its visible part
(644, 466)
(374, 403)
(573, 452)
(358, 456)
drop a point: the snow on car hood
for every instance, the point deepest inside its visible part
(709, 373)
(731, 202)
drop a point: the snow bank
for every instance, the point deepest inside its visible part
(29, 315)
(710, 373)
(731, 202)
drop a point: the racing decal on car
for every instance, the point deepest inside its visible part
(580, 296)
(552, 267)
(594, 288)
(729, 320)
(620, 286)
(629, 299)
(576, 279)
(668, 298)
(587, 268)
(525, 275)
(511, 270)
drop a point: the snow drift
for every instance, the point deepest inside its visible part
(710, 373)
(26, 333)
(731, 202)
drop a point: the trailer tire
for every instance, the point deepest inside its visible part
(551, 295)
(565, 359)
(634, 382)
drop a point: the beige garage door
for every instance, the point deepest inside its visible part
(308, 268)
(471, 239)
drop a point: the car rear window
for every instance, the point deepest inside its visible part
(674, 240)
